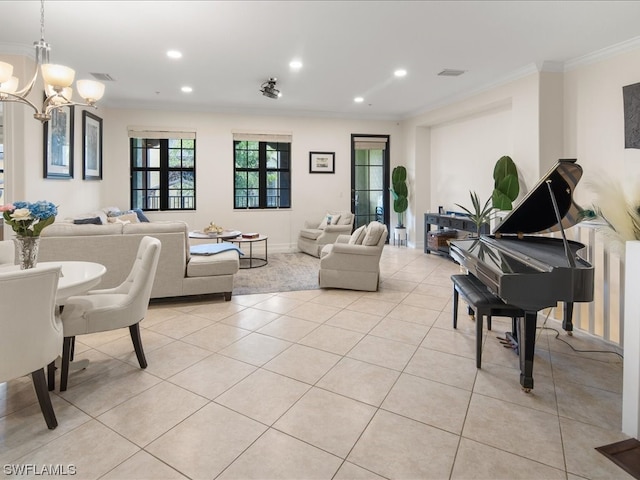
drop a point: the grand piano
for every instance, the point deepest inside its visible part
(533, 272)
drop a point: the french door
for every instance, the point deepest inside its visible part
(370, 178)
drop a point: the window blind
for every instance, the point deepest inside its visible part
(177, 133)
(370, 143)
(261, 137)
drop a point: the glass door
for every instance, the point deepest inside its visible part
(370, 179)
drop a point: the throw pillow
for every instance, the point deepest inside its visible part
(141, 216)
(329, 219)
(119, 213)
(88, 221)
(374, 232)
(124, 218)
(358, 236)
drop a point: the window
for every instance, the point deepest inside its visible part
(163, 171)
(262, 172)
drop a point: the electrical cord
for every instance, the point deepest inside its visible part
(575, 349)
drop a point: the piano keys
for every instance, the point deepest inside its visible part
(533, 272)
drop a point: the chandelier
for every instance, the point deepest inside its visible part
(57, 82)
(268, 89)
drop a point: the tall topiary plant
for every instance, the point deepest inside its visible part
(505, 184)
(400, 193)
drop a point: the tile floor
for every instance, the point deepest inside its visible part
(327, 385)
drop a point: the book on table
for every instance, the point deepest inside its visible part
(250, 235)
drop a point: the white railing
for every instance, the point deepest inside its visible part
(603, 317)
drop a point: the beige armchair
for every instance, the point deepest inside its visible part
(316, 235)
(353, 262)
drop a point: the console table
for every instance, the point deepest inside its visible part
(452, 222)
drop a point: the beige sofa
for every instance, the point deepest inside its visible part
(353, 261)
(115, 244)
(316, 234)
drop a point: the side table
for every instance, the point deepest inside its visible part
(252, 261)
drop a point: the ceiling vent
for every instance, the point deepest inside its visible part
(450, 72)
(104, 77)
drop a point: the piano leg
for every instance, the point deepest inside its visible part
(567, 320)
(526, 347)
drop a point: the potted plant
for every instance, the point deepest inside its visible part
(505, 184)
(481, 214)
(400, 193)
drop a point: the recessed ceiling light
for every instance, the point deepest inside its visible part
(401, 72)
(187, 89)
(295, 65)
(358, 99)
(174, 54)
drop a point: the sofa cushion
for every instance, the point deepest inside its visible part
(346, 218)
(358, 235)
(69, 229)
(329, 219)
(225, 263)
(310, 233)
(374, 232)
(124, 218)
(87, 221)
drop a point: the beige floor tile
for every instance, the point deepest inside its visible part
(359, 380)
(212, 376)
(142, 465)
(349, 471)
(302, 295)
(117, 385)
(314, 312)
(278, 304)
(122, 348)
(288, 328)
(372, 306)
(356, 321)
(332, 339)
(492, 422)
(204, 444)
(251, 300)
(589, 405)
(409, 313)
(250, 319)
(593, 373)
(279, 456)
(148, 415)
(430, 402)
(263, 396)
(326, 420)
(256, 349)
(336, 298)
(442, 291)
(80, 450)
(396, 447)
(98, 366)
(425, 301)
(398, 285)
(443, 367)
(166, 361)
(383, 352)
(16, 394)
(96, 339)
(477, 461)
(180, 326)
(451, 341)
(216, 337)
(303, 363)
(217, 310)
(158, 313)
(386, 295)
(25, 430)
(400, 331)
(581, 455)
(410, 276)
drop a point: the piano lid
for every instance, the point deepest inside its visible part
(535, 213)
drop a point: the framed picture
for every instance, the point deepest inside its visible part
(58, 144)
(322, 162)
(91, 146)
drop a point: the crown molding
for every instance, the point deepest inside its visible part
(602, 54)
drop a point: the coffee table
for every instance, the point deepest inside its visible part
(251, 261)
(224, 235)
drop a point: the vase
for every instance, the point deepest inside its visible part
(27, 248)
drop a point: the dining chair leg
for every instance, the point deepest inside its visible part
(42, 392)
(134, 330)
(66, 358)
(51, 376)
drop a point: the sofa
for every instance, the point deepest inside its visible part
(316, 234)
(353, 261)
(114, 245)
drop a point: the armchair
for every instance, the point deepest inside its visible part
(316, 235)
(353, 261)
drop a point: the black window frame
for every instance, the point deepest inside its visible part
(263, 171)
(165, 171)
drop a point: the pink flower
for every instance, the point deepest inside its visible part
(7, 208)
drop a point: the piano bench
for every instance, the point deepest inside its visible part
(483, 303)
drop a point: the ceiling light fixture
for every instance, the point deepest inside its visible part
(295, 65)
(187, 89)
(57, 82)
(358, 99)
(268, 88)
(401, 72)
(174, 54)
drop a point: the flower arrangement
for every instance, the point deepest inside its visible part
(28, 219)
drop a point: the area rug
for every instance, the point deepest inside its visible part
(285, 272)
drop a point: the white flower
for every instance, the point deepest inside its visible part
(21, 214)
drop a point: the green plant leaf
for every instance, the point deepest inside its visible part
(401, 190)
(510, 186)
(504, 166)
(400, 204)
(399, 175)
(501, 201)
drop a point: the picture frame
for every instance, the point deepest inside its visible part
(91, 146)
(58, 143)
(322, 162)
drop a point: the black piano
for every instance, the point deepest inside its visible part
(533, 271)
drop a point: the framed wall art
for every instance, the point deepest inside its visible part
(91, 146)
(58, 144)
(322, 162)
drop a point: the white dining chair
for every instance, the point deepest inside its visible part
(113, 308)
(30, 329)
